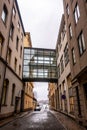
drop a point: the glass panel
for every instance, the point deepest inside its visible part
(27, 57)
(26, 51)
(26, 74)
(40, 63)
(26, 62)
(26, 68)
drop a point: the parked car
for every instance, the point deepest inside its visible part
(38, 108)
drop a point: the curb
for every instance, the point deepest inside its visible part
(59, 120)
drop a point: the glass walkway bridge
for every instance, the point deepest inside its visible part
(39, 65)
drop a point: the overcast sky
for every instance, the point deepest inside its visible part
(42, 19)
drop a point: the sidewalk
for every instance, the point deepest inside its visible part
(67, 122)
(12, 118)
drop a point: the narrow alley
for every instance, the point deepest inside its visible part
(37, 120)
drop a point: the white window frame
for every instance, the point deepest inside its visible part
(70, 31)
(81, 43)
(73, 56)
(4, 14)
(76, 13)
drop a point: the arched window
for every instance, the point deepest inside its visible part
(5, 90)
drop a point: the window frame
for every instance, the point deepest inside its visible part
(67, 10)
(81, 43)
(5, 91)
(19, 70)
(18, 26)
(58, 71)
(73, 56)
(17, 43)
(76, 13)
(66, 54)
(13, 95)
(62, 64)
(14, 12)
(12, 31)
(4, 14)
(70, 31)
(1, 43)
(9, 56)
(15, 64)
(21, 51)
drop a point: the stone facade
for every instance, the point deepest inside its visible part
(76, 24)
(11, 56)
(66, 101)
(71, 50)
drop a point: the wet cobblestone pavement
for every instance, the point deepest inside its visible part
(39, 120)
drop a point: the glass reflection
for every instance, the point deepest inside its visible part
(39, 63)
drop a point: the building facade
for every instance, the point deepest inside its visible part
(11, 55)
(66, 99)
(29, 99)
(76, 24)
(51, 95)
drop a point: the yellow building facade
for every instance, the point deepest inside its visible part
(28, 86)
(51, 95)
(28, 96)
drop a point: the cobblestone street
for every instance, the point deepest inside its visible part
(38, 120)
(44, 120)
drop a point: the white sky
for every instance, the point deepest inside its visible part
(42, 19)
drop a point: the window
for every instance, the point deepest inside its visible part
(4, 92)
(13, 95)
(85, 92)
(17, 42)
(1, 43)
(71, 102)
(67, 9)
(15, 64)
(66, 55)
(62, 65)
(4, 14)
(14, 12)
(81, 43)
(19, 70)
(9, 56)
(76, 13)
(73, 56)
(69, 81)
(20, 51)
(70, 31)
(22, 36)
(11, 30)
(18, 26)
(58, 70)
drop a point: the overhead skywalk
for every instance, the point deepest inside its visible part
(39, 65)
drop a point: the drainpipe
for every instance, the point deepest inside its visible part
(6, 56)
